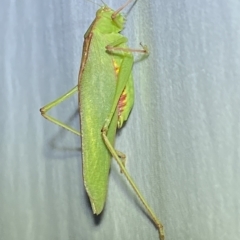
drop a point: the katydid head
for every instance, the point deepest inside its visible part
(108, 22)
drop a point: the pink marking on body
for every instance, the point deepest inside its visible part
(123, 98)
(122, 103)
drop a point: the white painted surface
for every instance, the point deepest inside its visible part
(182, 138)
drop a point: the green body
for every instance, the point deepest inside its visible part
(105, 88)
(97, 87)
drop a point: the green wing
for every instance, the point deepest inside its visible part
(97, 89)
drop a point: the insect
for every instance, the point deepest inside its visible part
(105, 97)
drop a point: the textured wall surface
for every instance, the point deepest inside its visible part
(182, 139)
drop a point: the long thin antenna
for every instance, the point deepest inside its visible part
(120, 9)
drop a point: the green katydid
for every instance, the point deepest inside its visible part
(105, 97)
